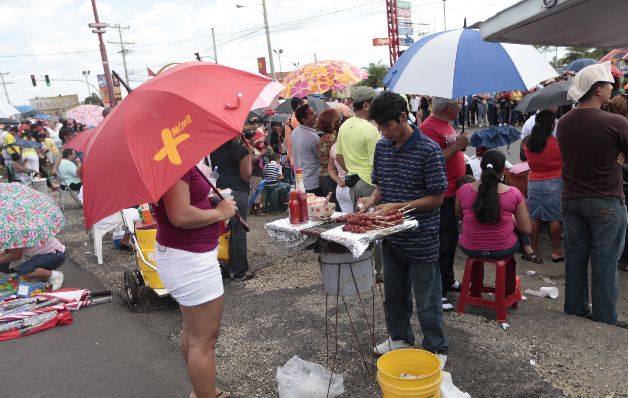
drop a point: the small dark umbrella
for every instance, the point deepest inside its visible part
(8, 122)
(279, 118)
(577, 64)
(27, 143)
(316, 104)
(553, 95)
(494, 137)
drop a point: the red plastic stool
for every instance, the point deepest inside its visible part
(505, 289)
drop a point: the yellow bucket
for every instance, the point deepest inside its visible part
(422, 365)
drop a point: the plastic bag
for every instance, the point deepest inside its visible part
(449, 390)
(303, 379)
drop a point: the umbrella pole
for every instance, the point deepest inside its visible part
(238, 217)
(464, 111)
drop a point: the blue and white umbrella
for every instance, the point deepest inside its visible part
(458, 63)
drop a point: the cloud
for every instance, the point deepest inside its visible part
(166, 31)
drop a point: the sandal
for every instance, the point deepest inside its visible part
(533, 257)
(223, 394)
(558, 259)
(624, 267)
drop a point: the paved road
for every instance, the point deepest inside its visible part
(106, 352)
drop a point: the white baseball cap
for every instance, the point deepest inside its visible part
(587, 77)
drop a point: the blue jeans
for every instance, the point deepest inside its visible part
(49, 261)
(403, 275)
(238, 260)
(594, 228)
(492, 254)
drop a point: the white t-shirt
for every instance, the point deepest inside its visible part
(474, 162)
(526, 130)
(414, 104)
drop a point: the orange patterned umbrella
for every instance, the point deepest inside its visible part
(319, 77)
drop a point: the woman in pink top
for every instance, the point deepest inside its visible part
(188, 227)
(544, 182)
(487, 208)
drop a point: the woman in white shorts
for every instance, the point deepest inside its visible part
(188, 227)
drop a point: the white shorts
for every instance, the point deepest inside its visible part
(191, 278)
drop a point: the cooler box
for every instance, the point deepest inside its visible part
(146, 239)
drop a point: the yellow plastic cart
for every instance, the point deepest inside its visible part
(143, 239)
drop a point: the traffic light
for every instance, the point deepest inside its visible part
(47, 80)
(33, 80)
(198, 56)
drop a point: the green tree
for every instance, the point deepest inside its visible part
(376, 74)
(93, 100)
(574, 53)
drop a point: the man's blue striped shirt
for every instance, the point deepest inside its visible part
(415, 170)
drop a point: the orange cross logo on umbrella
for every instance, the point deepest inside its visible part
(172, 137)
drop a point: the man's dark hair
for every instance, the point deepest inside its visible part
(301, 112)
(67, 152)
(589, 94)
(65, 133)
(106, 111)
(14, 129)
(296, 102)
(387, 106)
(275, 156)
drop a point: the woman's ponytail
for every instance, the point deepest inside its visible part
(486, 207)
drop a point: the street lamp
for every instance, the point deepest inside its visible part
(85, 74)
(279, 52)
(270, 52)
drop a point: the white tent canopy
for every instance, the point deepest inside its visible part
(573, 23)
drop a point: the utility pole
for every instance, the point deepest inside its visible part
(315, 60)
(123, 51)
(100, 29)
(4, 85)
(270, 51)
(215, 50)
(444, 16)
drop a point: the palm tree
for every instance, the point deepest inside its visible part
(376, 74)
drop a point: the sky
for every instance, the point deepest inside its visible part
(51, 37)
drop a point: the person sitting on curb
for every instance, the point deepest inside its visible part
(41, 262)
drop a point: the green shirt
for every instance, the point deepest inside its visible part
(356, 143)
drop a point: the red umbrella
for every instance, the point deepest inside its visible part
(79, 142)
(162, 129)
(618, 53)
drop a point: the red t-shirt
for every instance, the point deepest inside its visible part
(445, 135)
(545, 165)
(199, 240)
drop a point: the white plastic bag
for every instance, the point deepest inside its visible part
(304, 379)
(449, 390)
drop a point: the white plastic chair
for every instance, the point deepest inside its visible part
(101, 228)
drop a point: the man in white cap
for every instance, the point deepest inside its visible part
(593, 145)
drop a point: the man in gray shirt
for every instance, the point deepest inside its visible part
(305, 148)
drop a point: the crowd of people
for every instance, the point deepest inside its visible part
(396, 152)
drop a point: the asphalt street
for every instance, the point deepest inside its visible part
(106, 352)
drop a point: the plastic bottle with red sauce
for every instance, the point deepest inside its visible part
(302, 196)
(293, 206)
